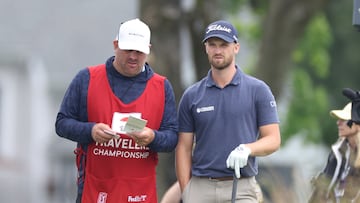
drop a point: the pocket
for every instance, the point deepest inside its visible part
(116, 190)
(254, 189)
(259, 194)
(80, 157)
(186, 190)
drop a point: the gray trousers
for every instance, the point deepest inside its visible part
(205, 190)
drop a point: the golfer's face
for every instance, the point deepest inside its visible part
(221, 54)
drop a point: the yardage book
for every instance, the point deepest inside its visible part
(134, 124)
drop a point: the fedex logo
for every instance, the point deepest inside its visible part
(137, 198)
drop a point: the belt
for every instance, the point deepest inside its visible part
(219, 178)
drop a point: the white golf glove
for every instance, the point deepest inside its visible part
(238, 158)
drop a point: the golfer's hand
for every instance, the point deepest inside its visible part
(238, 158)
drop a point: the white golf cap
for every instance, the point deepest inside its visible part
(134, 35)
(344, 114)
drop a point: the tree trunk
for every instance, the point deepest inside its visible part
(196, 20)
(284, 24)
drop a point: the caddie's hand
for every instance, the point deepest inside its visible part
(144, 137)
(98, 134)
(238, 158)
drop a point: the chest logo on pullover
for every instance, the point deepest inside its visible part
(205, 109)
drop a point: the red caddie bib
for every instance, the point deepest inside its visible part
(120, 171)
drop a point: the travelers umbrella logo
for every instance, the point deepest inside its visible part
(125, 119)
(119, 121)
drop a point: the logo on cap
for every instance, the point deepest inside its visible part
(134, 35)
(221, 29)
(218, 27)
